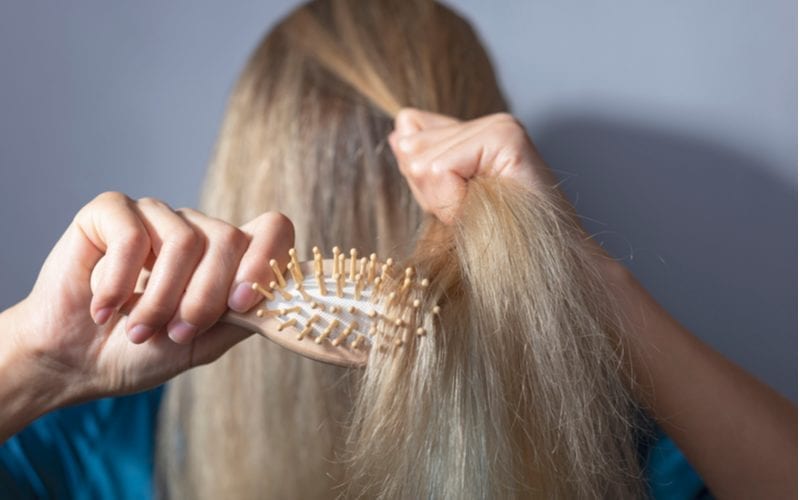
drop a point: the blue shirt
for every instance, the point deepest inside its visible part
(105, 449)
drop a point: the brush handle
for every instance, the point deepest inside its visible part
(268, 327)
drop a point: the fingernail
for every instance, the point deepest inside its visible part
(181, 332)
(101, 316)
(243, 297)
(140, 333)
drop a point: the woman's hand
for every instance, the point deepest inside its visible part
(739, 434)
(87, 332)
(438, 154)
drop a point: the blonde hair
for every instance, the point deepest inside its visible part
(519, 391)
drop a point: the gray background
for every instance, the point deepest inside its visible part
(674, 124)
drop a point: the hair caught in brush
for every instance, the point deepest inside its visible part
(518, 391)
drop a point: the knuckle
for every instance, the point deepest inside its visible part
(113, 292)
(279, 221)
(154, 313)
(416, 169)
(109, 198)
(511, 134)
(188, 211)
(405, 115)
(133, 238)
(185, 240)
(503, 117)
(150, 202)
(202, 308)
(230, 237)
(438, 167)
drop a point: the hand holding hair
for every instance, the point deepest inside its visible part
(69, 341)
(437, 154)
(739, 433)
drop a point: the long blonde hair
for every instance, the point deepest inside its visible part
(519, 391)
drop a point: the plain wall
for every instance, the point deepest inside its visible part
(674, 125)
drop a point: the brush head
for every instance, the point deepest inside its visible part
(337, 310)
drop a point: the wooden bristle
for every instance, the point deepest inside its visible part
(274, 286)
(297, 274)
(293, 258)
(372, 267)
(356, 344)
(317, 261)
(278, 273)
(338, 279)
(327, 332)
(336, 252)
(308, 328)
(263, 291)
(359, 286)
(339, 340)
(342, 266)
(353, 260)
(300, 288)
(321, 283)
(362, 266)
(385, 271)
(287, 324)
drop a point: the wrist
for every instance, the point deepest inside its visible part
(29, 389)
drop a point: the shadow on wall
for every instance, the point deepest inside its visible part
(707, 229)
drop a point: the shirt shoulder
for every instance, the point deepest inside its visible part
(99, 449)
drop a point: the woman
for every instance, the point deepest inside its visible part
(307, 133)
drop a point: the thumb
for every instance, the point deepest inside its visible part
(214, 342)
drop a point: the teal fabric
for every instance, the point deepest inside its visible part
(105, 449)
(669, 474)
(102, 449)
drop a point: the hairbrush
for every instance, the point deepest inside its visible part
(336, 310)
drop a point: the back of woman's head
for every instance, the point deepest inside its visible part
(307, 123)
(515, 394)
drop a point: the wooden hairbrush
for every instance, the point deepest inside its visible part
(331, 310)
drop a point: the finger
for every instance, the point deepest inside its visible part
(115, 230)
(212, 344)
(421, 142)
(412, 120)
(206, 295)
(272, 235)
(178, 248)
(493, 145)
(437, 174)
